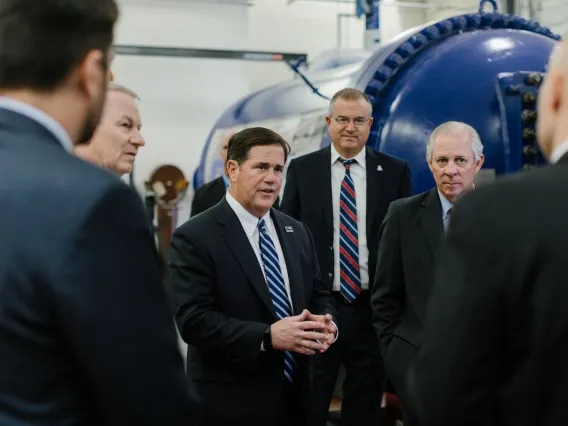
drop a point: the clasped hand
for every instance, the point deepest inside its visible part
(305, 333)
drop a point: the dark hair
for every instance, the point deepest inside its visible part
(240, 143)
(41, 41)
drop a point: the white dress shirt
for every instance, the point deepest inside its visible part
(249, 223)
(39, 116)
(250, 226)
(359, 176)
(558, 152)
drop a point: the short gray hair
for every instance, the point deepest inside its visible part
(350, 94)
(115, 87)
(454, 127)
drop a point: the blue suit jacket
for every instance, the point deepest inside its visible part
(86, 336)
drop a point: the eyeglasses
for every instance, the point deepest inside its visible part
(344, 121)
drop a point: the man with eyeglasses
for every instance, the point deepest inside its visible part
(351, 187)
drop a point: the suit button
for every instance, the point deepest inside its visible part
(331, 247)
(330, 275)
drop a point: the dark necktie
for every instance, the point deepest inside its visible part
(448, 219)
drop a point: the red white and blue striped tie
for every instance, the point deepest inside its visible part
(350, 278)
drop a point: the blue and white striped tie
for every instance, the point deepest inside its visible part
(349, 274)
(277, 288)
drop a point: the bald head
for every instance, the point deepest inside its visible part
(559, 58)
(552, 123)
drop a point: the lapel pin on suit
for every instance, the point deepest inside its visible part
(288, 229)
(379, 168)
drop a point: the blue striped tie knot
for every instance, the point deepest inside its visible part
(349, 273)
(347, 163)
(276, 287)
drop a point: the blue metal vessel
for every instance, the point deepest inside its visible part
(483, 68)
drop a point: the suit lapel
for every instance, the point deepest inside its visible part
(374, 184)
(323, 185)
(431, 219)
(293, 265)
(239, 244)
(563, 159)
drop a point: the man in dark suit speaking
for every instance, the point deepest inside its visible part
(249, 300)
(86, 336)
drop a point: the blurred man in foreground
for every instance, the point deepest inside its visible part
(409, 238)
(117, 138)
(86, 335)
(495, 347)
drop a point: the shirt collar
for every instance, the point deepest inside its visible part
(39, 116)
(359, 158)
(558, 152)
(248, 220)
(446, 205)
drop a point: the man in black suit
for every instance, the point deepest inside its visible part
(495, 348)
(249, 300)
(86, 336)
(209, 194)
(409, 238)
(343, 206)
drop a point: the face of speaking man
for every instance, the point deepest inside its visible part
(256, 182)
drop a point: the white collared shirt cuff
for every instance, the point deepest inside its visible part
(336, 331)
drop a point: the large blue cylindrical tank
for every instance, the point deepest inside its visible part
(484, 69)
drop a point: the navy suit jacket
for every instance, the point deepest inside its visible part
(223, 306)
(86, 337)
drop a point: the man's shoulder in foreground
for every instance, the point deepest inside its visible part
(514, 210)
(56, 187)
(522, 190)
(84, 186)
